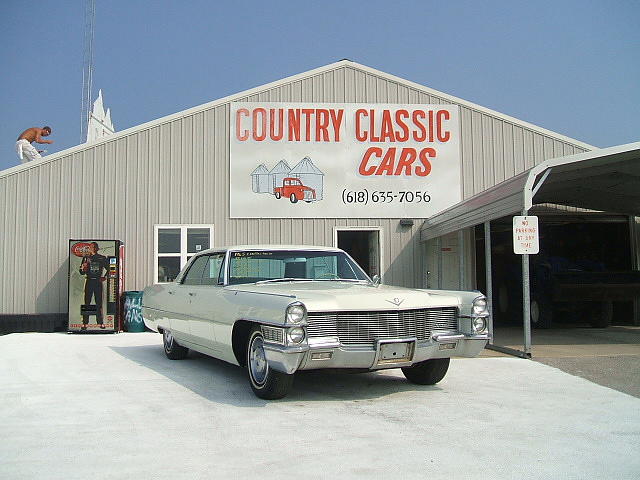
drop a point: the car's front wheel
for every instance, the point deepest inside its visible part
(265, 382)
(293, 198)
(428, 372)
(172, 349)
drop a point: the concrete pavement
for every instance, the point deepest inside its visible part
(113, 406)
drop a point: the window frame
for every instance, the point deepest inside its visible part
(184, 278)
(183, 254)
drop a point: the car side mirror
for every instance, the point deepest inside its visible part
(376, 280)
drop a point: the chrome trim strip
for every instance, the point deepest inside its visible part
(324, 342)
(483, 336)
(232, 289)
(270, 323)
(274, 347)
(444, 337)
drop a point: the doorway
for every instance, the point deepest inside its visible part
(363, 245)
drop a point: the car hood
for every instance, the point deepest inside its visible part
(343, 296)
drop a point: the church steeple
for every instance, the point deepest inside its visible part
(100, 124)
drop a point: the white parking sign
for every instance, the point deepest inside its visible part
(525, 235)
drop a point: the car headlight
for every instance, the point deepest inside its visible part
(480, 307)
(479, 324)
(296, 313)
(295, 335)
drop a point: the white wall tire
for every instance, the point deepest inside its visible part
(172, 349)
(266, 382)
(540, 312)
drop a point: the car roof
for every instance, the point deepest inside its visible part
(272, 247)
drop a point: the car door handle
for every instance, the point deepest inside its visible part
(191, 294)
(170, 292)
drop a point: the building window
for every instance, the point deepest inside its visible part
(175, 245)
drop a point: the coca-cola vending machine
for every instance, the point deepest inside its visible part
(96, 283)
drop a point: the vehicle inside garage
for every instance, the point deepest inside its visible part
(583, 276)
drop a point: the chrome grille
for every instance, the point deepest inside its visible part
(272, 334)
(361, 328)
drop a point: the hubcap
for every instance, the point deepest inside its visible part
(168, 340)
(258, 361)
(535, 311)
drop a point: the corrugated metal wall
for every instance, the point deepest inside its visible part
(176, 172)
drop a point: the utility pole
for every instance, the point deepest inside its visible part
(87, 67)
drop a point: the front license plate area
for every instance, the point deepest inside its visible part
(395, 352)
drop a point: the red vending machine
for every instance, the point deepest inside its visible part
(96, 283)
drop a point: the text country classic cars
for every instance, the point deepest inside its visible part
(330, 125)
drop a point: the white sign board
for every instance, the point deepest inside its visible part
(525, 235)
(343, 160)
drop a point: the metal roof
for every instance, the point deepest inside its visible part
(605, 179)
(240, 96)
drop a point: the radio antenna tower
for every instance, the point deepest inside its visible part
(87, 68)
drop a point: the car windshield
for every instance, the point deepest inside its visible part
(288, 265)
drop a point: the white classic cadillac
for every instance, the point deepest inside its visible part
(279, 309)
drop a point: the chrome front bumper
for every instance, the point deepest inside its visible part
(327, 352)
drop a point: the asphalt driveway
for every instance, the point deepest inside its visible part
(112, 406)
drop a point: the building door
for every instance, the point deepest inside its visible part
(364, 247)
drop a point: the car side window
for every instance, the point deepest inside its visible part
(194, 274)
(211, 274)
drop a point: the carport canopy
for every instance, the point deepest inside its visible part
(606, 179)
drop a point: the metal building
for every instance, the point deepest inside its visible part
(164, 189)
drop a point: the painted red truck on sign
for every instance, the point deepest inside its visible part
(293, 189)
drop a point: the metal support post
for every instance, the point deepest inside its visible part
(461, 253)
(526, 301)
(634, 232)
(488, 276)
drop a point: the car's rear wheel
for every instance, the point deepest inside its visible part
(278, 196)
(428, 372)
(293, 198)
(172, 349)
(265, 382)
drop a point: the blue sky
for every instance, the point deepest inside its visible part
(572, 67)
